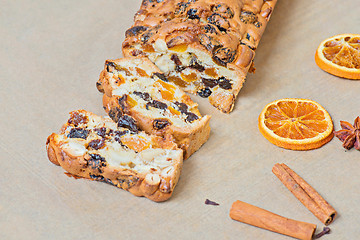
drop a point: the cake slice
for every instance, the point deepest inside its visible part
(204, 46)
(137, 88)
(94, 147)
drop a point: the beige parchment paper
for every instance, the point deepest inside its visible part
(51, 54)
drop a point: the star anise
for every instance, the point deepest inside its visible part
(350, 134)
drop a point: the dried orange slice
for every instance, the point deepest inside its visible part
(340, 56)
(297, 124)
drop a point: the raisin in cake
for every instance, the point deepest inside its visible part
(204, 46)
(93, 147)
(135, 86)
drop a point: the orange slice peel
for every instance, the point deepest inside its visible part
(296, 124)
(340, 55)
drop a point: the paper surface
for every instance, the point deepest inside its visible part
(51, 55)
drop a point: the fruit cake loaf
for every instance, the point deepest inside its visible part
(93, 147)
(205, 46)
(135, 86)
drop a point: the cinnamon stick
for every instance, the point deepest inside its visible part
(305, 193)
(249, 214)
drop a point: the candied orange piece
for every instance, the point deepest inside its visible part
(167, 90)
(141, 72)
(120, 80)
(179, 48)
(178, 81)
(297, 124)
(212, 72)
(192, 77)
(173, 110)
(136, 143)
(130, 101)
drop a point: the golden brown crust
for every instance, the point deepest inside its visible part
(189, 138)
(127, 179)
(228, 31)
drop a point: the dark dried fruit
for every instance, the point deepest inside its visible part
(209, 82)
(194, 64)
(248, 17)
(178, 40)
(78, 133)
(181, 8)
(192, 14)
(208, 42)
(209, 28)
(209, 202)
(96, 144)
(101, 131)
(179, 68)
(148, 34)
(224, 10)
(191, 117)
(181, 106)
(100, 87)
(248, 36)
(136, 52)
(115, 114)
(120, 133)
(205, 92)
(101, 179)
(76, 119)
(134, 31)
(156, 104)
(96, 161)
(176, 59)
(223, 56)
(224, 83)
(221, 23)
(128, 122)
(160, 123)
(258, 24)
(144, 95)
(161, 76)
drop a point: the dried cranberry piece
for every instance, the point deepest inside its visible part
(209, 82)
(128, 122)
(78, 133)
(160, 123)
(134, 31)
(205, 92)
(191, 117)
(96, 144)
(224, 83)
